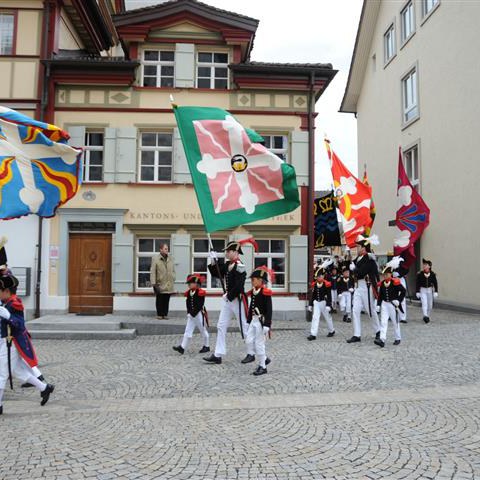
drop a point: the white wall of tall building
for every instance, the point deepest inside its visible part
(445, 51)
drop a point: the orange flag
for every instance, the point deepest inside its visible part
(354, 198)
(373, 212)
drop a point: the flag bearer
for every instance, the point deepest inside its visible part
(196, 315)
(427, 288)
(259, 317)
(15, 343)
(345, 289)
(365, 270)
(233, 273)
(390, 296)
(321, 304)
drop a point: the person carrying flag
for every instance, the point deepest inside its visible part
(427, 288)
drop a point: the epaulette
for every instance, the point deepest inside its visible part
(249, 293)
(379, 284)
(15, 303)
(186, 293)
(313, 284)
(267, 292)
(201, 292)
(396, 281)
(327, 283)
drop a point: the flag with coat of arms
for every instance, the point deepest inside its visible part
(39, 171)
(236, 179)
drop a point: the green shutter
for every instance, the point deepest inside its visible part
(184, 65)
(181, 172)
(299, 156)
(123, 269)
(297, 263)
(126, 155)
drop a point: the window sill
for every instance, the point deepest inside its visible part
(389, 61)
(410, 122)
(430, 13)
(13, 55)
(100, 184)
(177, 89)
(149, 184)
(407, 40)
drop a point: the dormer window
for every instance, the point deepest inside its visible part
(158, 68)
(212, 70)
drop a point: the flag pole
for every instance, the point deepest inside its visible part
(216, 262)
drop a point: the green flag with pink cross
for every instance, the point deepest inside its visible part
(237, 180)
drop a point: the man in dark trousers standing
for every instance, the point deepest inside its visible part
(162, 279)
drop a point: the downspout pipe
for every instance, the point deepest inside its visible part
(311, 176)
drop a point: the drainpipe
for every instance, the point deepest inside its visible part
(311, 176)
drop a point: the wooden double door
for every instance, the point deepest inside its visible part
(90, 273)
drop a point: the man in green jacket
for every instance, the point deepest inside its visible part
(162, 279)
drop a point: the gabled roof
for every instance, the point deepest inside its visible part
(360, 57)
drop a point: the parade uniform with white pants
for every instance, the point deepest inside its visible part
(345, 288)
(390, 296)
(426, 298)
(195, 322)
(196, 315)
(321, 304)
(427, 290)
(402, 314)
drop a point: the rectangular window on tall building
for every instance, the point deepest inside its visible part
(212, 70)
(428, 6)
(158, 68)
(389, 44)
(93, 157)
(277, 144)
(410, 161)
(407, 21)
(156, 150)
(410, 97)
(7, 24)
(200, 260)
(147, 248)
(271, 253)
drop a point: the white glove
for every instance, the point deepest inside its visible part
(350, 290)
(352, 266)
(418, 295)
(225, 297)
(266, 330)
(328, 309)
(377, 308)
(4, 313)
(213, 255)
(435, 294)
(396, 303)
(310, 308)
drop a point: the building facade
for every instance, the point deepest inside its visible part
(137, 191)
(413, 83)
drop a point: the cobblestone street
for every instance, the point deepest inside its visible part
(326, 409)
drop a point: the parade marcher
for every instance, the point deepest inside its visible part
(390, 296)
(427, 288)
(17, 354)
(365, 270)
(345, 289)
(259, 317)
(333, 278)
(233, 274)
(321, 304)
(196, 315)
(162, 279)
(400, 272)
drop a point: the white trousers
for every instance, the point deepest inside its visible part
(403, 315)
(426, 297)
(360, 302)
(320, 308)
(229, 310)
(334, 298)
(255, 340)
(387, 312)
(346, 302)
(192, 323)
(20, 369)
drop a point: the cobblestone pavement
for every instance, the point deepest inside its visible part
(326, 409)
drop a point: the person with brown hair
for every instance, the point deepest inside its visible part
(162, 279)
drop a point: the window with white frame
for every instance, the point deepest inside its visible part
(271, 253)
(410, 160)
(156, 150)
(158, 68)
(428, 5)
(7, 22)
(93, 156)
(277, 144)
(147, 248)
(201, 260)
(212, 70)
(410, 96)
(407, 16)
(389, 43)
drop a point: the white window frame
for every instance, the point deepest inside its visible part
(195, 254)
(5, 31)
(389, 38)
(212, 66)
(156, 149)
(151, 254)
(428, 7)
(86, 158)
(411, 162)
(269, 256)
(278, 151)
(158, 64)
(412, 103)
(408, 11)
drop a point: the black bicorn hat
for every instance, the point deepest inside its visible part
(260, 273)
(195, 278)
(8, 281)
(427, 262)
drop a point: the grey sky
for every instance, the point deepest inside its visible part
(316, 31)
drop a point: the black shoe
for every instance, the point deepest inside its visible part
(348, 320)
(249, 358)
(396, 342)
(334, 310)
(179, 349)
(403, 321)
(377, 335)
(1, 409)
(345, 318)
(426, 319)
(267, 361)
(331, 334)
(311, 337)
(379, 342)
(260, 371)
(46, 394)
(213, 359)
(26, 385)
(204, 349)
(354, 339)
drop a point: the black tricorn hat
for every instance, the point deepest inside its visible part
(235, 246)
(319, 271)
(8, 281)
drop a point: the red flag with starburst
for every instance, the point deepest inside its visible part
(373, 211)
